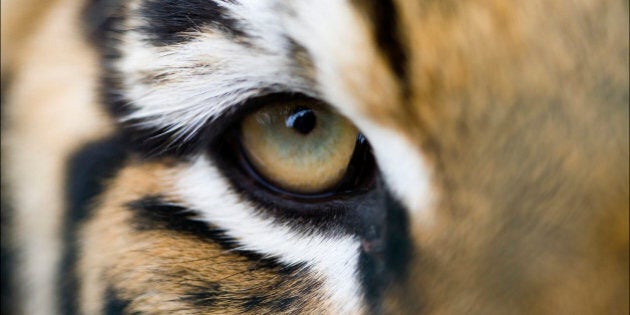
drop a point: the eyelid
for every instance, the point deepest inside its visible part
(237, 112)
(156, 142)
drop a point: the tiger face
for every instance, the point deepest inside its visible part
(342, 157)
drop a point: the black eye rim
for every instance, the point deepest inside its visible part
(350, 210)
(230, 155)
(342, 213)
(357, 178)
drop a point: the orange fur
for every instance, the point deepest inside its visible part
(523, 109)
(158, 269)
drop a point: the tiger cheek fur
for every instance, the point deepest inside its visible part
(528, 175)
(489, 175)
(175, 265)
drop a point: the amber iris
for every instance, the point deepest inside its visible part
(299, 146)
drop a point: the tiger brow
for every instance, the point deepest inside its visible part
(169, 21)
(387, 29)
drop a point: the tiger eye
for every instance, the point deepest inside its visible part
(300, 146)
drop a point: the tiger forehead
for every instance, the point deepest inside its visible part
(359, 42)
(406, 65)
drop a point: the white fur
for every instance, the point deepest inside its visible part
(208, 74)
(404, 170)
(333, 258)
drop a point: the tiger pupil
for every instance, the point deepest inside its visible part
(303, 120)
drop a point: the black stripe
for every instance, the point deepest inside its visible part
(384, 259)
(86, 171)
(169, 21)
(211, 297)
(7, 257)
(114, 305)
(388, 36)
(153, 212)
(97, 18)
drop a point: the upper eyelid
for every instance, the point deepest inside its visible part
(236, 112)
(161, 141)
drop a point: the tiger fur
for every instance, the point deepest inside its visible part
(499, 131)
